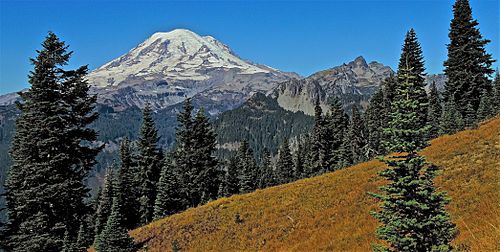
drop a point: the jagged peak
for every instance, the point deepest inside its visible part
(359, 61)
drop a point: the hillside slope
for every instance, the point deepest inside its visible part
(331, 212)
(262, 122)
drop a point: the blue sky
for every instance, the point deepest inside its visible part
(300, 36)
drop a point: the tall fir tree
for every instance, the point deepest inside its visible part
(316, 155)
(375, 124)
(470, 117)
(306, 146)
(298, 160)
(284, 165)
(267, 177)
(486, 107)
(51, 154)
(345, 152)
(168, 199)
(468, 65)
(128, 184)
(68, 244)
(247, 167)
(205, 171)
(114, 237)
(389, 89)
(105, 204)
(84, 238)
(149, 158)
(231, 180)
(451, 119)
(357, 136)
(434, 111)
(336, 129)
(184, 152)
(412, 214)
(412, 55)
(496, 94)
(194, 157)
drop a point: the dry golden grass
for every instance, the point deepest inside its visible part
(331, 212)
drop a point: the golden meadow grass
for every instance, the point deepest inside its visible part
(331, 212)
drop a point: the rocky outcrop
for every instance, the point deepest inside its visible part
(353, 82)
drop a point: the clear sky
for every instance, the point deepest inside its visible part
(299, 36)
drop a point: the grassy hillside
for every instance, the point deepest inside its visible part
(331, 212)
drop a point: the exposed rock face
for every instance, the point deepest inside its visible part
(300, 95)
(356, 77)
(353, 83)
(357, 80)
(439, 79)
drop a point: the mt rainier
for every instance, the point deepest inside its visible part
(170, 66)
(179, 54)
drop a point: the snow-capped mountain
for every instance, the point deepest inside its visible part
(169, 66)
(180, 54)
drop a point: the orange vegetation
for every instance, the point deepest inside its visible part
(331, 212)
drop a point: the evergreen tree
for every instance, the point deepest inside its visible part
(298, 161)
(149, 165)
(84, 238)
(412, 212)
(68, 244)
(231, 181)
(389, 88)
(374, 124)
(468, 65)
(336, 129)
(357, 136)
(284, 166)
(267, 178)
(345, 152)
(205, 167)
(317, 150)
(496, 94)
(412, 55)
(451, 120)
(184, 152)
(114, 237)
(168, 199)
(90, 222)
(247, 168)
(51, 157)
(194, 157)
(485, 109)
(470, 116)
(307, 149)
(128, 184)
(105, 203)
(434, 111)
